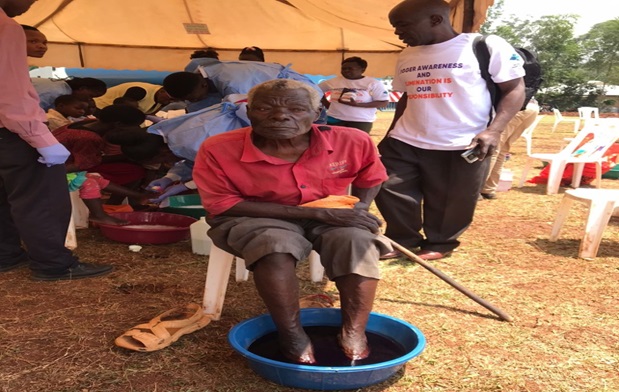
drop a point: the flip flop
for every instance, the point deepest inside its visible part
(316, 301)
(164, 329)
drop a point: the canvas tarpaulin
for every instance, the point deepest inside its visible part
(313, 35)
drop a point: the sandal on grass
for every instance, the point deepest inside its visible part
(164, 329)
(316, 301)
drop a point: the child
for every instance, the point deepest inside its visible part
(68, 109)
(90, 186)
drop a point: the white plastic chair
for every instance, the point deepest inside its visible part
(528, 134)
(559, 119)
(586, 113)
(218, 274)
(604, 135)
(602, 203)
(544, 157)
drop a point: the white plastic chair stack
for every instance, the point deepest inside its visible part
(602, 203)
(218, 274)
(559, 119)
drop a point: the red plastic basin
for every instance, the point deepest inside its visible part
(177, 230)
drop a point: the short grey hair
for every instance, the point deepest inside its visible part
(285, 84)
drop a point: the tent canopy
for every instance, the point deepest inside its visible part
(313, 35)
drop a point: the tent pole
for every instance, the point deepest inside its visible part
(468, 16)
(79, 50)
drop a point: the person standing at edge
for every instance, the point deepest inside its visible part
(444, 111)
(34, 201)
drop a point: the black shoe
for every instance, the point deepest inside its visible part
(20, 263)
(81, 271)
(488, 196)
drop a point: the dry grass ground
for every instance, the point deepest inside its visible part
(564, 337)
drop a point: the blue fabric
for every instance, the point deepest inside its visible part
(183, 169)
(210, 100)
(238, 77)
(185, 134)
(49, 90)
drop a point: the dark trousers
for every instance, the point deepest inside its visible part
(35, 208)
(432, 190)
(364, 126)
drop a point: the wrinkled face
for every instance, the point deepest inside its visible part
(281, 114)
(36, 43)
(76, 109)
(412, 28)
(352, 70)
(16, 7)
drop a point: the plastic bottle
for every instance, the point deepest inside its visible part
(200, 241)
(505, 180)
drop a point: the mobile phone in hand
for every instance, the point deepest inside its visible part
(471, 155)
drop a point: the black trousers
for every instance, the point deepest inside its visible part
(35, 208)
(433, 190)
(364, 126)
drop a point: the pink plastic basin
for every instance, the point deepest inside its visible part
(177, 228)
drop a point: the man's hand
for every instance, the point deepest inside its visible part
(355, 217)
(487, 141)
(56, 154)
(350, 102)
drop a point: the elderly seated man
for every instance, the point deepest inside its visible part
(254, 182)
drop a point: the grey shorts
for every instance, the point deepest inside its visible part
(343, 250)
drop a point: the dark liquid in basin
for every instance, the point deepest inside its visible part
(327, 350)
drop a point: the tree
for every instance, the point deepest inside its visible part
(601, 45)
(493, 14)
(560, 54)
(552, 37)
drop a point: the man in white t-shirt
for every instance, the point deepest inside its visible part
(354, 97)
(444, 111)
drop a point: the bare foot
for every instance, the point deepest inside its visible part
(354, 347)
(109, 220)
(297, 348)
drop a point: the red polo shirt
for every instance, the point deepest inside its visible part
(229, 169)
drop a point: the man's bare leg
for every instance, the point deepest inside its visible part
(357, 297)
(276, 280)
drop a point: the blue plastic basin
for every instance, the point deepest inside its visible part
(325, 378)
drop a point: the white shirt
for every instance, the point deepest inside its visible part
(365, 89)
(448, 100)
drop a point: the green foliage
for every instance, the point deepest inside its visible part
(568, 62)
(601, 45)
(492, 15)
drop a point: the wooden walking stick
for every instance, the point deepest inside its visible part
(450, 281)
